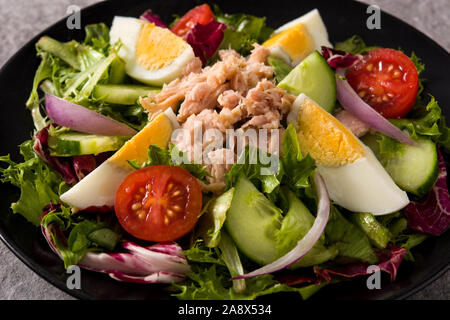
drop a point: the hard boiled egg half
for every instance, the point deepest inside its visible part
(295, 40)
(354, 177)
(152, 54)
(99, 187)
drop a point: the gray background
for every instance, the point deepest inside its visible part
(20, 20)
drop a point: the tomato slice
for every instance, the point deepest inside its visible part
(158, 203)
(387, 80)
(200, 14)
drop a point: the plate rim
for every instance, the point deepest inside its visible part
(79, 294)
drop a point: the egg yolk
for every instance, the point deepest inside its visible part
(327, 140)
(295, 41)
(157, 47)
(157, 132)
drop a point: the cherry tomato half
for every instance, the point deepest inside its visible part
(158, 203)
(200, 14)
(387, 80)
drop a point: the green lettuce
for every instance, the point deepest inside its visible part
(351, 242)
(242, 32)
(212, 283)
(85, 234)
(171, 157)
(39, 185)
(423, 121)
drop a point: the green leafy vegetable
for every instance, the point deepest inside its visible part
(250, 164)
(212, 283)
(171, 157)
(84, 234)
(299, 168)
(230, 255)
(211, 222)
(351, 242)
(426, 121)
(354, 45)
(97, 36)
(242, 32)
(280, 67)
(39, 185)
(294, 226)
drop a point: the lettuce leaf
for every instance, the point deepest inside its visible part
(211, 283)
(85, 234)
(354, 45)
(97, 36)
(351, 242)
(39, 185)
(299, 168)
(243, 31)
(171, 157)
(249, 164)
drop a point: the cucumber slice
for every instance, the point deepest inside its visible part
(126, 94)
(74, 143)
(117, 73)
(261, 232)
(313, 77)
(252, 221)
(414, 169)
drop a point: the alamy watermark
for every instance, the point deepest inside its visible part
(374, 280)
(74, 19)
(374, 20)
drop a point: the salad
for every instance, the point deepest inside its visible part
(230, 160)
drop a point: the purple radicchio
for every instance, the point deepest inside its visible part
(205, 39)
(340, 59)
(71, 169)
(159, 263)
(432, 214)
(149, 16)
(390, 260)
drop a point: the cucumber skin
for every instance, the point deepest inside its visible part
(124, 94)
(308, 69)
(65, 146)
(389, 163)
(239, 224)
(262, 247)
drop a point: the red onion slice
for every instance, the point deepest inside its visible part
(350, 101)
(307, 242)
(78, 118)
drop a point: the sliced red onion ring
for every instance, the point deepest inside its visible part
(307, 242)
(78, 118)
(350, 101)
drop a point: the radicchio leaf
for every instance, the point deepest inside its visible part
(432, 214)
(71, 169)
(390, 260)
(339, 59)
(160, 263)
(62, 166)
(149, 16)
(206, 38)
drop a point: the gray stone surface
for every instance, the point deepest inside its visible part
(20, 20)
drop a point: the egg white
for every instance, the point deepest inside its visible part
(360, 186)
(363, 186)
(98, 188)
(315, 26)
(126, 30)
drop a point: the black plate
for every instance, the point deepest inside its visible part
(342, 18)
